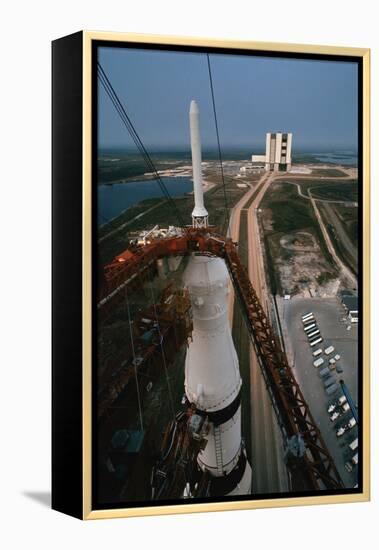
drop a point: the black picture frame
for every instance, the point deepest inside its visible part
(75, 276)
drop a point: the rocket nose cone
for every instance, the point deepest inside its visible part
(194, 109)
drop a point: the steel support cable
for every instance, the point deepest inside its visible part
(137, 140)
(107, 221)
(125, 119)
(134, 360)
(120, 110)
(218, 141)
(163, 353)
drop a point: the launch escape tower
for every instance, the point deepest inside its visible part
(199, 213)
(212, 378)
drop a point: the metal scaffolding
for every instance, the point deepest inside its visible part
(308, 460)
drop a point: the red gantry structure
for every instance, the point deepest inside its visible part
(176, 474)
(308, 460)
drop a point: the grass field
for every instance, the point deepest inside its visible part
(327, 173)
(290, 213)
(119, 167)
(346, 248)
(349, 218)
(347, 191)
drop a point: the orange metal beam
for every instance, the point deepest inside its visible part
(316, 469)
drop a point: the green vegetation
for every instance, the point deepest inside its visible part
(128, 215)
(253, 197)
(344, 191)
(290, 212)
(273, 276)
(243, 239)
(347, 251)
(164, 214)
(287, 212)
(328, 173)
(325, 277)
(305, 158)
(348, 216)
(120, 167)
(293, 213)
(316, 184)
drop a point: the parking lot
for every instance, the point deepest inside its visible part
(329, 315)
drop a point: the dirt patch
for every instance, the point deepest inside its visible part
(300, 241)
(305, 273)
(296, 256)
(267, 220)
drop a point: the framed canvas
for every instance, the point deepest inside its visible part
(210, 275)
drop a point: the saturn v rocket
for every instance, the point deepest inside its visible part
(212, 378)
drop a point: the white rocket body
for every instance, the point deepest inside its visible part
(199, 213)
(212, 378)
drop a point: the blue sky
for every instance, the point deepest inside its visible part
(316, 100)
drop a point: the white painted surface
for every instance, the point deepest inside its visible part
(289, 148)
(199, 210)
(258, 158)
(268, 140)
(278, 147)
(212, 378)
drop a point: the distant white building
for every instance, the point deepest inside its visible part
(278, 152)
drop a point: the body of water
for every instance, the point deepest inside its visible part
(114, 199)
(340, 157)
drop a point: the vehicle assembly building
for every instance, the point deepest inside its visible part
(278, 152)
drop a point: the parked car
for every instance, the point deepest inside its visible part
(345, 407)
(331, 389)
(324, 372)
(346, 427)
(354, 444)
(337, 403)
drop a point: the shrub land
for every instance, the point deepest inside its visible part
(285, 215)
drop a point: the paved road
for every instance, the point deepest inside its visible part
(234, 231)
(269, 472)
(300, 192)
(344, 270)
(343, 236)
